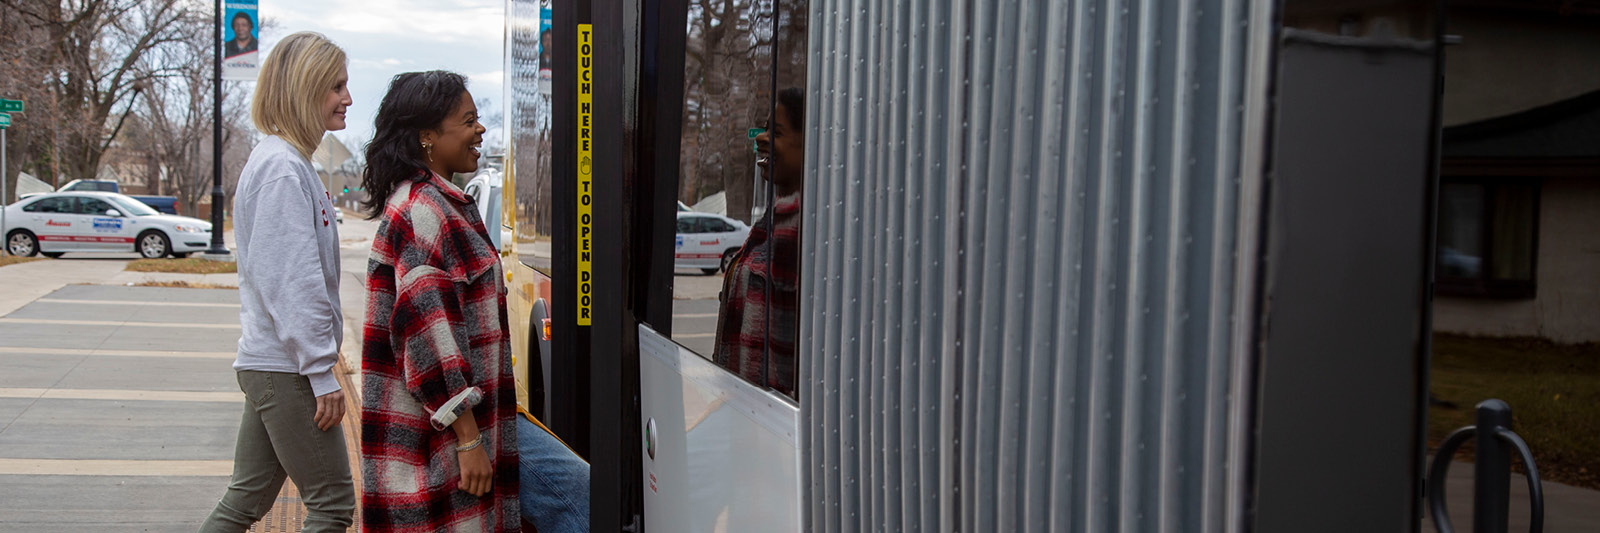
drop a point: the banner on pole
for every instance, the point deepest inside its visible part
(241, 36)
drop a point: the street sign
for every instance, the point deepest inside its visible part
(754, 132)
(10, 106)
(5, 121)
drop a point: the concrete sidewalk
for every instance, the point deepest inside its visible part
(23, 283)
(118, 407)
(27, 282)
(119, 410)
(118, 404)
(1567, 509)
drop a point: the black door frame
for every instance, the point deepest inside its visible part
(637, 93)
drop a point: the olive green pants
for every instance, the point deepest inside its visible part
(278, 438)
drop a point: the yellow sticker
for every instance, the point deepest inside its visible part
(585, 173)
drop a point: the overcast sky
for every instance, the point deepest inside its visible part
(387, 37)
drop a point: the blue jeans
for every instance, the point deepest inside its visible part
(555, 482)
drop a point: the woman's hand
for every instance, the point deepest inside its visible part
(477, 476)
(330, 410)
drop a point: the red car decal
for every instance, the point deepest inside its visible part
(68, 238)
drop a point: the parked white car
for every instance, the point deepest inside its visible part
(708, 242)
(66, 222)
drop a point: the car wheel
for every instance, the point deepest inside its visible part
(727, 259)
(22, 243)
(53, 255)
(154, 245)
(709, 271)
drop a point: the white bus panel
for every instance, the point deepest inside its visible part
(719, 453)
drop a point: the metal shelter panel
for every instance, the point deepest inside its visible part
(1019, 277)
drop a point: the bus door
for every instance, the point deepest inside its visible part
(718, 379)
(678, 385)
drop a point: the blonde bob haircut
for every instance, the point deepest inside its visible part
(295, 81)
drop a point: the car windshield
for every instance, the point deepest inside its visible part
(132, 207)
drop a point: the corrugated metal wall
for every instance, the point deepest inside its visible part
(1019, 263)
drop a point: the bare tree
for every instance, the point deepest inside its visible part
(92, 57)
(174, 123)
(25, 54)
(358, 154)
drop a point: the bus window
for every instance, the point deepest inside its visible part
(782, 152)
(529, 67)
(758, 312)
(727, 97)
(527, 198)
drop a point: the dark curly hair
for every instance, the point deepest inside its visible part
(794, 103)
(416, 101)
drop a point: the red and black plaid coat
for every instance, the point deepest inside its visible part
(759, 320)
(436, 343)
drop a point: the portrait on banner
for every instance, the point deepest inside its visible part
(241, 34)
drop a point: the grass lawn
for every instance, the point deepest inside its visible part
(1554, 392)
(191, 265)
(8, 260)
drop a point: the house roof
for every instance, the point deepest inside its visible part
(1565, 129)
(716, 203)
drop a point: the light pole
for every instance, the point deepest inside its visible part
(6, 247)
(217, 246)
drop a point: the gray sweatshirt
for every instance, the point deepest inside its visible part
(288, 258)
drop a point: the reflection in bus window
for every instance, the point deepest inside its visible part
(758, 321)
(728, 80)
(743, 160)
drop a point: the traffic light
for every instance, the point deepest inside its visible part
(347, 189)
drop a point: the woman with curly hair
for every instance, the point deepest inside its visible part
(438, 396)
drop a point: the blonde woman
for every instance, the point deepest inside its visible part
(289, 298)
